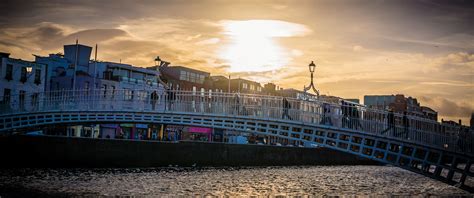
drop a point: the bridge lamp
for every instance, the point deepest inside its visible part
(311, 67)
(157, 59)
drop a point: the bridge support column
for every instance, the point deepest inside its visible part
(437, 172)
(451, 170)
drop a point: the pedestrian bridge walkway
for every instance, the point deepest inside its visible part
(424, 146)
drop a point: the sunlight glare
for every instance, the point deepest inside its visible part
(253, 47)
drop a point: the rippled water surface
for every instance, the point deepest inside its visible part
(249, 181)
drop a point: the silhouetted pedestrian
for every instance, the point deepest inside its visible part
(390, 122)
(154, 98)
(406, 125)
(286, 107)
(236, 109)
(171, 98)
(461, 138)
(345, 114)
(326, 114)
(356, 115)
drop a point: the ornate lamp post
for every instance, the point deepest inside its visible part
(160, 65)
(312, 67)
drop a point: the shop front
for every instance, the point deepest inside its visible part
(108, 130)
(141, 131)
(126, 131)
(200, 134)
(172, 133)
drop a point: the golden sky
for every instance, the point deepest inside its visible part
(423, 49)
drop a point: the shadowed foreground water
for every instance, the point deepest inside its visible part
(248, 181)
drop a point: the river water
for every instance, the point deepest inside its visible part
(246, 181)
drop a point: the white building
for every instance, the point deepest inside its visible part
(21, 83)
(75, 70)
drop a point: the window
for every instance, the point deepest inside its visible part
(259, 88)
(6, 96)
(22, 99)
(34, 100)
(38, 76)
(128, 94)
(201, 79)
(192, 77)
(9, 72)
(244, 85)
(23, 75)
(183, 75)
(252, 87)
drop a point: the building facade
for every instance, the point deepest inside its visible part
(240, 85)
(400, 104)
(21, 83)
(184, 78)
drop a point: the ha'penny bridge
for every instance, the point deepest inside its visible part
(409, 142)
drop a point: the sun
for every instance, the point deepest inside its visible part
(253, 47)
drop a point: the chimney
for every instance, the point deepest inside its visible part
(460, 122)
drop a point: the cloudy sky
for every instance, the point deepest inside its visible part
(420, 48)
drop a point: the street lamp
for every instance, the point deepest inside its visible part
(162, 64)
(312, 67)
(157, 59)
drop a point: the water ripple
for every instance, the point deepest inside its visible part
(204, 182)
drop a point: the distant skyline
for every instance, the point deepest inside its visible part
(419, 48)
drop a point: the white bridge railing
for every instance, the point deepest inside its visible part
(341, 116)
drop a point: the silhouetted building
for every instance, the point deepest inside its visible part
(354, 100)
(399, 103)
(294, 93)
(269, 89)
(245, 86)
(429, 113)
(220, 83)
(330, 99)
(184, 78)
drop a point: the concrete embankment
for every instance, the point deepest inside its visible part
(47, 151)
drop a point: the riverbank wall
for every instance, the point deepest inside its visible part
(68, 152)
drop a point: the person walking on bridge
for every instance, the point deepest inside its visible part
(326, 118)
(236, 109)
(406, 125)
(154, 98)
(390, 122)
(286, 107)
(171, 98)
